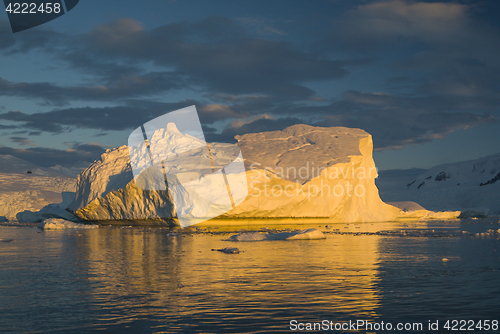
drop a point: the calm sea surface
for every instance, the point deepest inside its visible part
(151, 280)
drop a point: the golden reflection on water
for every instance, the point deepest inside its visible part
(149, 273)
(169, 280)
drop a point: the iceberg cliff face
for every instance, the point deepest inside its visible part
(306, 171)
(302, 171)
(106, 191)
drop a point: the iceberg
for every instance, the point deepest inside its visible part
(302, 171)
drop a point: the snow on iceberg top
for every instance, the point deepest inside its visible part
(301, 146)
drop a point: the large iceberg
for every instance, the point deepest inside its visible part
(302, 171)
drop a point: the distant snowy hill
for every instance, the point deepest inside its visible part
(473, 184)
(389, 181)
(13, 165)
(21, 191)
(73, 170)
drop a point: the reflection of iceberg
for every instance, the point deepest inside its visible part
(169, 153)
(150, 266)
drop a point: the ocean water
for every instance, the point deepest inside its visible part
(161, 280)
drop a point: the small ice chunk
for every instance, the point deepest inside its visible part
(248, 237)
(228, 250)
(62, 224)
(310, 234)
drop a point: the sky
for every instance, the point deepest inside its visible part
(422, 77)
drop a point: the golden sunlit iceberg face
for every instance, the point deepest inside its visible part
(169, 153)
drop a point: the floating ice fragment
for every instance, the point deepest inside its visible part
(62, 224)
(228, 250)
(309, 234)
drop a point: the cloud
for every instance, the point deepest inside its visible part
(7, 127)
(453, 51)
(21, 140)
(440, 63)
(240, 123)
(239, 98)
(6, 38)
(129, 116)
(261, 26)
(396, 121)
(48, 157)
(40, 38)
(214, 112)
(87, 148)
(441, 56)
(394, 129)
(218, 53)
(393, 120)
(379, 24)
(123, 87)
(215, 54)
(258, 124)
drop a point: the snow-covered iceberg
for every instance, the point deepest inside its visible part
(302, 171)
